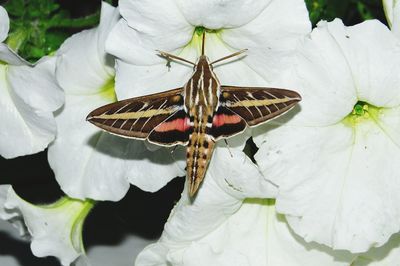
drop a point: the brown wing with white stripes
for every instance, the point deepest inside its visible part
(257, 105)
(139, 117)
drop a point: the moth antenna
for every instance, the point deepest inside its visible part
(169, 56)
(229, 56)
(203, 43)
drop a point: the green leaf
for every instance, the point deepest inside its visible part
(350, 11)
(15, 7)
(364, 11)
(39, 27)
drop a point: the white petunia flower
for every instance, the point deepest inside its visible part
(89, 163)
(55, 229)
(336, 162)
(28, 97)
(12, 217)
(392, 12)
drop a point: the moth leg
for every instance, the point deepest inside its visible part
(229, 56)
(229, 149)
(171, 56)
(173, 149)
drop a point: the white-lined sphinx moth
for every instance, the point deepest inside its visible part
(195, 115)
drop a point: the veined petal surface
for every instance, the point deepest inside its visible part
(160, 24)
(254, 235)
(55, 230)
(28, 97)
(221, 14)
(338, 180)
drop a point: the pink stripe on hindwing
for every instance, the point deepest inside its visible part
(222, 119)
(179, 124)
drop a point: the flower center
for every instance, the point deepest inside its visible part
(360, 109)
(197, 40)
(361, 112)
(108, 90)
(199, 30)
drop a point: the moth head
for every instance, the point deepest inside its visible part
(203, 61)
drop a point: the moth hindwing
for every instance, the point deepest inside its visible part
(196, 115)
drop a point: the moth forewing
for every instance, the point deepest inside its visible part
(258, 105)
(138, 117)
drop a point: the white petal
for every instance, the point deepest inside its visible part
(9, 56)
(127, 44)
(148, 79)
(392, 12)
(28, 96)
(4, 214)
(198, 254)
(373, 55)
(388, 6)
(254, 235)
(282, 158)
(323, 78)
(237, 175)
(160, 23)
(154, 78)
(388, 120)
(37, 86)
(4, 24)
(221, 14)
(325, 201)
(108, 19)
(231, 72)
(55, 229)
(278, 27)
(87, 163)
(150, 171)
(259, 236)
(83, 70)
(209, 210)
(271, 37)
(153, 255)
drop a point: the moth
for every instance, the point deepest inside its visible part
(196, 115)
